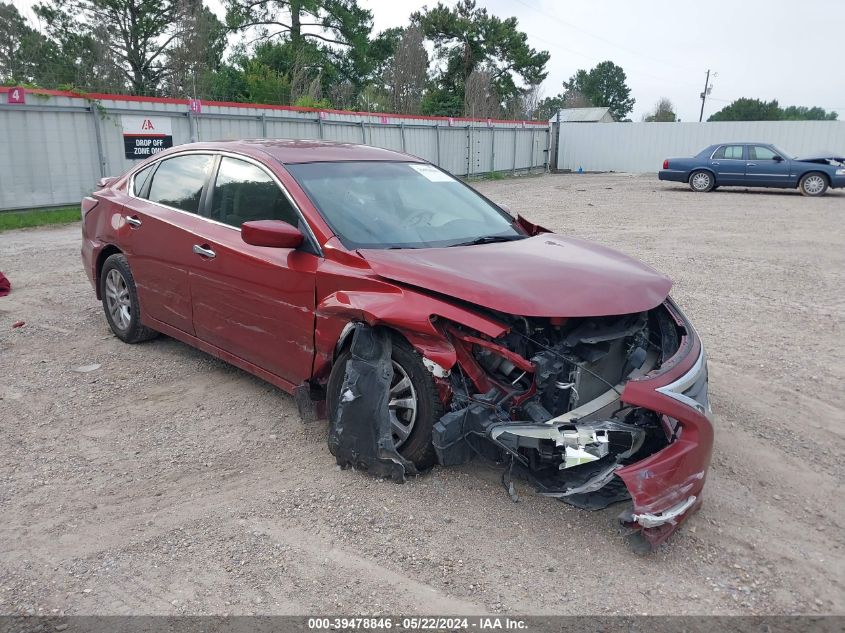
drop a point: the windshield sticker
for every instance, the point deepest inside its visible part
(432, 173)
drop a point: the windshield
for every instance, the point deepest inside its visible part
(400, 205)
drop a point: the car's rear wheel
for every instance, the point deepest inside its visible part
(702, 181)
(813, 184)
(120, 301)
(414, 404)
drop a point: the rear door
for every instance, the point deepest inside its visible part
(161, 214)
(728, 163)
(255, 302)
(766, 168)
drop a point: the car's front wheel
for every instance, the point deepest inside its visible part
(813, 184)
(414, 404)
(120, 301)
(702, 181)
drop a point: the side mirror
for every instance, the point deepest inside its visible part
(272, 233)
(777, 159)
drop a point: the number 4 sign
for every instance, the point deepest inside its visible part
(16, 95)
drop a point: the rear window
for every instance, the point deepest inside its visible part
(141, 179)
(178, 182)
(729, 152)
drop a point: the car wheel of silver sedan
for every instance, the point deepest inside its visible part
(813, 184)
(701, 181)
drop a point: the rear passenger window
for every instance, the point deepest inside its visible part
(729, 152)
(244, 192)
(178, 182)
(140, 180)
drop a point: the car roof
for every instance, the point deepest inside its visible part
(291, 151)
(740, 143)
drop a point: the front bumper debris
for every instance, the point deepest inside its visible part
(648, 438)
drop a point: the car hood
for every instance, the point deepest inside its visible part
(821, 157)
(546, 275)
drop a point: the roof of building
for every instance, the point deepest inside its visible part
(582, 115)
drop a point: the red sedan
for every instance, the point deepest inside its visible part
(563, 359)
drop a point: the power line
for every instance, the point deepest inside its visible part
(595, 59)
(662, 62)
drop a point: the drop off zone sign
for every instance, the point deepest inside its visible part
(144, 136)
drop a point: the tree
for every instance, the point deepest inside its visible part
(603, 86)
(481, 99)
(69, 59)
(663, 112)
(468, 39)
(746, 109)
(135, 35)
(265, 85)
(749, 110)
(406, 73)
(527, 105)
(24, 52)
(439, 101)
(334, 22)
(197, 53)
(340, 22)
(802, 113)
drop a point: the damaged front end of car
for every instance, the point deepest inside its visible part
(591, 410)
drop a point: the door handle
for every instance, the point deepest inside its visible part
(715, 164)
(204, 252)
(750, 164)
(133, 220)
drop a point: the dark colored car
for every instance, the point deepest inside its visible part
(755, 165)
(562, 357)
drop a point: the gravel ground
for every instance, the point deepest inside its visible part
(166, 482)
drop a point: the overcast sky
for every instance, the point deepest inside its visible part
(767, 49)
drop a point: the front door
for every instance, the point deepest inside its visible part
(254, 302)
(728, 163)
(766, 168)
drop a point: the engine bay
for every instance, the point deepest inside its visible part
(545, 399)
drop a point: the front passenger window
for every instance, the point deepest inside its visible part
(244, 192)
(759, 152)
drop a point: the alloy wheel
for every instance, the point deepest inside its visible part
(117, 300)
(402, 405)
(701, 181)
(814, 185)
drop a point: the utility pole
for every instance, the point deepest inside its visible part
(707, 89)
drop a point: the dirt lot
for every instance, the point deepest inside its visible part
(167, 482)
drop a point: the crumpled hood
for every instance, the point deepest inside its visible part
(546, 275)
(822, 156)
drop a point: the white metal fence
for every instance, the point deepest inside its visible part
(54, 147)
(641, 147)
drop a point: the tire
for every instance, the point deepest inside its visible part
(416, 447)
(702, 181)
(120, 301)
(813, 184)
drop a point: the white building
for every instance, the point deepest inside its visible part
(583, 115)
